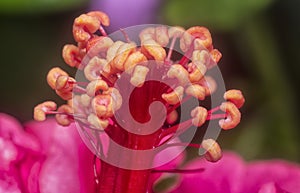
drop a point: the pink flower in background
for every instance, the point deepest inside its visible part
(232, 175)
(46, 158)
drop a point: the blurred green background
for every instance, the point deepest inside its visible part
(259, 40)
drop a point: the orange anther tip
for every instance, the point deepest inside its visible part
(175, 96)
(96, 85)
(214, 152)
(40, 110)
(233, 116)
(72, 55)
(52, 76)
(235, 96)
(103, 17)
(199, 115)
(202, 34)
(64, 119)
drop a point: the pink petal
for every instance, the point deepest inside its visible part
(15, 145)
(68, 163)
(284, 174)
(11, 129)
(225, 176)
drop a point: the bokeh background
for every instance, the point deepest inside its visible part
(259, 40)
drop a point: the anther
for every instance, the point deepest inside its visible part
(213, 150)
(94, 67)
(64, 83)
(87, 24)
(96, 122)
(175, 96)
(235, 96)
(112, 50)
(161, 35)
(199, 115)
(64, 95)
(122, 54)
(179, 72)
(216, 55)
(233, 116)
(196, 91)
(202, 35)
(115, 96)
(147, 33)
(152, 48)
(41, 110)
(139, 75)
(102, 106)
(64, 117)
(97, 45)
(84, 26)
(201, 56)
(196, 71)
(52, 76)
(94, 86)
(72, 55)
(134, 59)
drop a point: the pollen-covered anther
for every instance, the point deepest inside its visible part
(98, 45)
(122, 54)
(201, 56)
(84, 26)
(112, 50)
(64, 95)
(102, 17)
(233, 116)
(179, 72)
(94, 67)
(134, 59)
(41, 110)
(97, 123)
(175, 96)
(87, 24)
(162, 36)
(147, 33)
(115, 96)
(202, 36)
(102, 106)
(53, 75)
(196, 71)
(213, 150)
(139, 75)
(64, 117)
(196, 91)
(152, 49)
(175, 31)
(199, 115)
(235, 96)
(172, 117)
(72, 55)
(216, 55)
(64, 83)
(95, 86)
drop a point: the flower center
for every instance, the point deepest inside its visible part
(132, 99)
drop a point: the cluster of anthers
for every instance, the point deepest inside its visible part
(93, 103)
